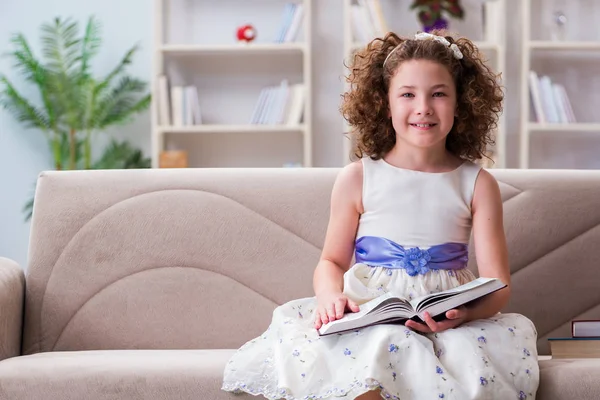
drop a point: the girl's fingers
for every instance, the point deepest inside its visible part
(331, 312)
(317, 319)
(417, 326)
(430, 322)
(340, 307)
(321, 317)
(353, 306)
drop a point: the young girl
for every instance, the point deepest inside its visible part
(423, 109)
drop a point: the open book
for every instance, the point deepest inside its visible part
(388, 309)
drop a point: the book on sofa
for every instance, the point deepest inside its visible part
(585, 328)
(388, 309)
(575, 347)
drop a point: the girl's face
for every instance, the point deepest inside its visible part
(422, 98)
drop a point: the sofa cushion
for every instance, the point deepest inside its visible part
(569, 379)
(197, 374)
(118, 374)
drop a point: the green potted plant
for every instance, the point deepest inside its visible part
(74, 105)
(434, 14)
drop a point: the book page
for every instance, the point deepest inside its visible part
(459, 298)
(416, 303)
(386, 307)
(370, 306)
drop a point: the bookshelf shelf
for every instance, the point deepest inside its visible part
(235, 49)
(482, 45)
(222, 128)
(226, 103)
(553, 108)
(559, 127)
(567, 45)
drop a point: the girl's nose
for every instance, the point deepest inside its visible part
(424, 108)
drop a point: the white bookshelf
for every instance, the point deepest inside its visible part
(572, 61)
(490, 39)
(195, 45)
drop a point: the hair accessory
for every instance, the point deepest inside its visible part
(428, 36)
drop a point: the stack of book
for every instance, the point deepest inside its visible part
(280, 105)
(551, 103)
(583, 343)
(181, 108)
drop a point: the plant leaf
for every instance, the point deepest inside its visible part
(90, 45)
(121, 103)
(21, 109)
(118, 70)
(62, 50)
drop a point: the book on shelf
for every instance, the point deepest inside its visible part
(163, 104)
(279, 105)
(181, 108)
(536, 97)
(185, 106)
(291, 22)
(367, 20)
(550, 100)
(388, 309)
(582, 328)
(177, 105)
(575, 347)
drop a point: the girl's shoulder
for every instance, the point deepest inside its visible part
(349, 184)
(352, 173)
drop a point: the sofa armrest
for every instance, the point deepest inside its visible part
(12, 296)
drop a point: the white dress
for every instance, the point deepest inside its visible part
(494, 358)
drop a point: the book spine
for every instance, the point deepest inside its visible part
(585, 328)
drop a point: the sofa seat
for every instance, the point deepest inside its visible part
(116, 375)
(558, 377)
(196, 375)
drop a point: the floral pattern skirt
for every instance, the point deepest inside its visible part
(494, 358)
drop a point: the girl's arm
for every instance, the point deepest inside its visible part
(346, 207)
(490, 245)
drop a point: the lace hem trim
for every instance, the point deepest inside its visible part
(355, 389)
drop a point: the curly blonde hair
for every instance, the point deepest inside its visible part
(365, 106)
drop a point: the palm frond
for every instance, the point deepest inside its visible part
(88, 99)
(61, 45)
(21, 109)
(62, 50)
(118, 70)
(122, 102)
(33, 71)
(25, 61)
(121, 155)
(90, 45)
(28, 209)
(124, 110)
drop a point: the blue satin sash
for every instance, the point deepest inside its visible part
(381, 252)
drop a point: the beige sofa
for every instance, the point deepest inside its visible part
(141, 282)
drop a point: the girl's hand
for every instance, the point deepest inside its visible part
(331, 306)
(454, 318)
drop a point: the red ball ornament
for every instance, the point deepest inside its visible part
(246, 33)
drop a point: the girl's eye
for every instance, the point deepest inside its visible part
(407, 95)
(439, 94)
